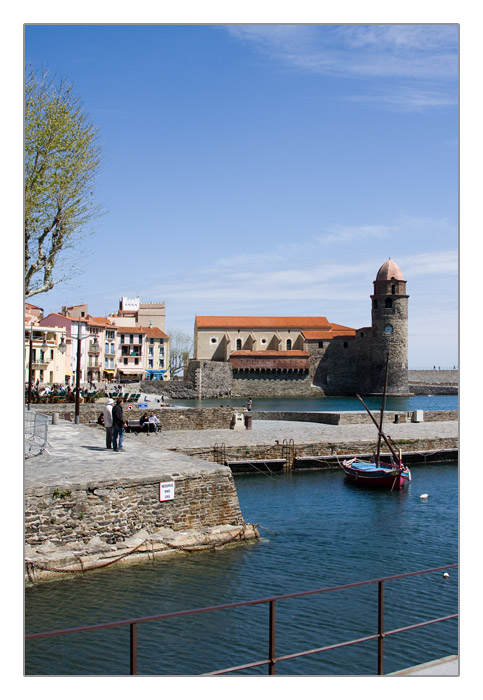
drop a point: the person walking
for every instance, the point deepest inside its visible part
(108, 422)
(118, 426)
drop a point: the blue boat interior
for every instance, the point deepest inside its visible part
(371, 467)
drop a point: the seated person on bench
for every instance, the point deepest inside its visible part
(153, 422)
(143, 422)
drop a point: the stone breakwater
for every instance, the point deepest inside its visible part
(88, 507)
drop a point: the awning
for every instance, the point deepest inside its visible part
(109, 371)
(69, 374)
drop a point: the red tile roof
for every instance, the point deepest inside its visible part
(328, 335)
(270, 353)
(313, 322)
(99, 321)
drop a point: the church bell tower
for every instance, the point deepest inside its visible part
(390, 330)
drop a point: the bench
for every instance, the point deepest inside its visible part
(133, 425)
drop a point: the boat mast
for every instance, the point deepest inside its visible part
(383, 435)
(382, 412)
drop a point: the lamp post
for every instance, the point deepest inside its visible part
(95, 349)
(43, 347)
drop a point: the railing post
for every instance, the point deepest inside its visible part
(271, 643)
(134, 648)
(380, 629)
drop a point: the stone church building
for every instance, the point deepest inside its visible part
(304, 356)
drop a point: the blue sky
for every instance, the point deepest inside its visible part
(268, 169)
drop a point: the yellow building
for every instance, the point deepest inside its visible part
(48, 363)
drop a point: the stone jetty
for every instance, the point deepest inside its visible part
(87, 507)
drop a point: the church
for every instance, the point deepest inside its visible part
(310, 355)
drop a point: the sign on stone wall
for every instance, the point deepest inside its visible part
(166, 491)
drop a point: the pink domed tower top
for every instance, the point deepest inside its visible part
(390, 270)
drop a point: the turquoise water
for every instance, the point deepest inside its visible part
(333, 403)
(317, 531)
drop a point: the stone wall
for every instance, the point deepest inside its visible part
(433, 376)
(269, 385)
(436, 389)
(348, 417)
(202, 379)
(220, 417)
(171, 418)
(176, 389)
(210, 380)
(115, 510)
(280, 451)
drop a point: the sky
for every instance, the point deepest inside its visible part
(264, 169)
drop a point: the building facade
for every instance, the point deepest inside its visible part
(127, 350)
(47, 362)
(276, 356)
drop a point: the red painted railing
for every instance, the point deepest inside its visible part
(272, 658)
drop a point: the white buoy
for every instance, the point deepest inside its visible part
(424, 495)
(445, 575)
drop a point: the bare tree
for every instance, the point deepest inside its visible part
(180, 349)
(62, 160)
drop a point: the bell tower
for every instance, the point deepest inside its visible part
(390, 330)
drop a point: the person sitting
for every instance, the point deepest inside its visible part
(100, 420)
(154, 422)
(143, 422)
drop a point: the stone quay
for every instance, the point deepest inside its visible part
(87, 507)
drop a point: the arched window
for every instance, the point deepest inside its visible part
(393, 289)
(289, 344)
(388, 304)
(238, 344)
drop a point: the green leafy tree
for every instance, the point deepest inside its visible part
(62, 160)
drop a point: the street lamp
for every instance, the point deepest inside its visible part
(95, 349)
(43, 347)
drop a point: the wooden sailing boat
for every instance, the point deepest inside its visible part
(393, 474)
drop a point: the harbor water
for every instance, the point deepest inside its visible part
(317, 531)
(441, 402)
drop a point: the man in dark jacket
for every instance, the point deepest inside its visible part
(118, 426)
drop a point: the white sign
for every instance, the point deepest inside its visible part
(166, 491)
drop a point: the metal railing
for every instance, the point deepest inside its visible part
(272, 658)
(36, 429)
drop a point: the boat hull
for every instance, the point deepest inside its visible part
(372, 476)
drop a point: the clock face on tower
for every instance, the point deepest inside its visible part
(388, 330)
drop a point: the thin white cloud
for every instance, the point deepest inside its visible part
(423, 57)
(409, 99)
(408, 51)
(443, 262)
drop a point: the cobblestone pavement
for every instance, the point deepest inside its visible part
(78, 453)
